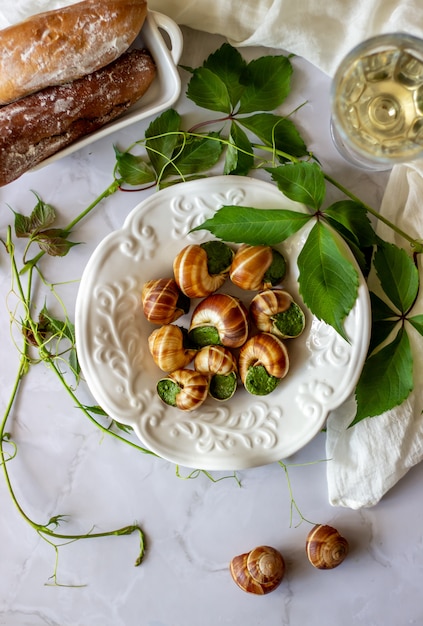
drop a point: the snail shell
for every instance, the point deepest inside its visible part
(267, 351)
(215, 360)
(167, 347)
(259, 571)
(250, 266)
(275, 311)
(219, 319)
(325, 547)
(192, 271)
(220, 365)
(185, 389)
(162, 301)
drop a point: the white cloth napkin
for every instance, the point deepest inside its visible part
(322, 32)
(370, 458)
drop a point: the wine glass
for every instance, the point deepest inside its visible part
(377, 102)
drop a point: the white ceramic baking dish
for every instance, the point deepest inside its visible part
(164, 90)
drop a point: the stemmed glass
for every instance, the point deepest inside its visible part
(377, 102)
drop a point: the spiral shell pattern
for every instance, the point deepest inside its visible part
(267, 350)
(259, 571)
(192, 275)
(226, 314)
(194, 388)
(166, 345)
(267, 305)
(249, 266)
(325, 547)
(162, 301)
(212, 360)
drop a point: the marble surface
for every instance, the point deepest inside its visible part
(65, 465)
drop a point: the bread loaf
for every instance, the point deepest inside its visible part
(61, 45)
(37, 126)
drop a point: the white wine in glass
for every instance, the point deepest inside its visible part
(377, 102)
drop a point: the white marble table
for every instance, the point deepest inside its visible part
(193, 527)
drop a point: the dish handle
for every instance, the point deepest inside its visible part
(175, 43)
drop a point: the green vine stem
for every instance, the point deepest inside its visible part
(416, 244)
(46, 531)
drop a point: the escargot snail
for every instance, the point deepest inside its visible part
(274, 311)
(168, 347)
(257, 267)
(263, 361)
(259, 571)
(219, 319)
(220, 365)
(184, 389)
(325, 547)
(162, 301)
(201, 269)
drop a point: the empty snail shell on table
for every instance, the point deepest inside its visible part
(167, 346)
(325, 547)
(162, 301)
(275, 311)
(220, 365)
(201, 269)
(257, 267)
(259, 571)
(263, 361)
(184, 389)
(219, 319)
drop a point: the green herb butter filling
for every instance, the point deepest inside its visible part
(290, 323)
(259, 382)
(168, 390)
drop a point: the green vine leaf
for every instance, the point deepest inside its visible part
(386, 379)
(384, 320)
(42, 217)
(54, 241)
(267, 82)
(162, 137)
(207, 90)
(197, 154)
(399, 277)
(228, 64)
(276, 131)
(417, 322)
(350, 219)
(303, 182)
(328, 280)
(239, 154)
(133, 169)
(254, 226)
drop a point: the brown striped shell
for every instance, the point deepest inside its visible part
(267, 350)
(259, 571)
(325, 547)
(275, 311)
(215, 360)
(190, 268)
(162, 301)
(226, 314)
(166, 345)
(220, 365)
(249, 267)
(193, 388)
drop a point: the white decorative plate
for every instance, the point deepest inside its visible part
(111, 332)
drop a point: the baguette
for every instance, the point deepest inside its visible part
(39, 125)
(62, 45)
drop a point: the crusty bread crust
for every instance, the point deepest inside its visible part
(61, 45)
(41, 124)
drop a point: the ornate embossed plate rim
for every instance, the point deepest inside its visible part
(111, 338)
